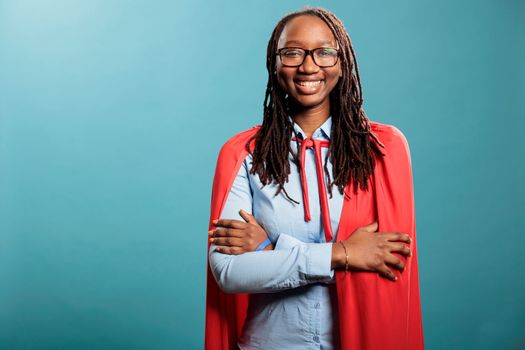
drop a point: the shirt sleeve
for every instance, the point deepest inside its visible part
(291, 264)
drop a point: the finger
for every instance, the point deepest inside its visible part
(227, 232)
(400, 248)
(227, 241)
(397, 237)
(387, 273)
(229, 250)
(230, 223)
(247, 217)
(371, 227)
(395, 262)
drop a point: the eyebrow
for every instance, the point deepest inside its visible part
(298, 42)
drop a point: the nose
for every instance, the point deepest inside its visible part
(308, 65)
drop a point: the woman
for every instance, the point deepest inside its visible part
(307, 209)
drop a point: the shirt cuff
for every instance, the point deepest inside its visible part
(285, 241)
(319, 256)
(320, 261)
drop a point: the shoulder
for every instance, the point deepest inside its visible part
(235, 146)
(387, 133)
(396, 149)
(390, 136)
(240, 139)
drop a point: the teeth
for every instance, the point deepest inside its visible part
(309, 83)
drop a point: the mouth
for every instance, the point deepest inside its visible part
(308, 87)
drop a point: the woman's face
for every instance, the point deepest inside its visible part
(308, 84)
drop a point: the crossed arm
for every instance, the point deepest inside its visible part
(238, 268)
(291, 263)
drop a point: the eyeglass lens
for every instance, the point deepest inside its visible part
(323, 57)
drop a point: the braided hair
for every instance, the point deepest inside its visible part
(353, 147)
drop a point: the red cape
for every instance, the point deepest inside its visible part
(374, 313)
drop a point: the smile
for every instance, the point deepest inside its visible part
(309, 87)
(310, 84)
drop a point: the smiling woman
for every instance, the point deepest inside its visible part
(293, 268)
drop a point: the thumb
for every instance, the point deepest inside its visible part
(247, 217)
(371, 227)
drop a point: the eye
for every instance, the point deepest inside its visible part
(326, 52)
(292, 53)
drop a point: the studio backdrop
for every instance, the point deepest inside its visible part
(112, 114)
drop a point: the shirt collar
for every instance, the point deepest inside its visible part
(323, 132)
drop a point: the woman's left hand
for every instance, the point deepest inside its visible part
(235, 237)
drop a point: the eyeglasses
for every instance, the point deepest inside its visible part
(294, 56)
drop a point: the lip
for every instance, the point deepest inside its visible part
(308, 90)
(307, 79)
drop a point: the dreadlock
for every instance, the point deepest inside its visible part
(353, 147)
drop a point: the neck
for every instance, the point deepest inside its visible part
(311, 118)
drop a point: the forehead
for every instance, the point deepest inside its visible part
(306, 31)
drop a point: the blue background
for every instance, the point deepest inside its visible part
(111, 117)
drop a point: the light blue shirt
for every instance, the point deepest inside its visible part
(293, 305)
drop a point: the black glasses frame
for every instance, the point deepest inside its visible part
(306, 53)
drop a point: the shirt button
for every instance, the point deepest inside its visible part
(316, 339)
(317, 305)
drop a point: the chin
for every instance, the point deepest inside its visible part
(308, 101)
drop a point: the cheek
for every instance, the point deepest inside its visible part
(335, 77)
(283, 79)
(280, 81)
(336, 80)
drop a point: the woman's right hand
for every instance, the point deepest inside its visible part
(369, 250)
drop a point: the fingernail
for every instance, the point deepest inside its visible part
(210, 232)
(212, 240)
(214, 221)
